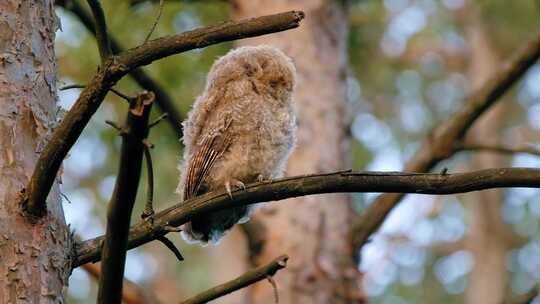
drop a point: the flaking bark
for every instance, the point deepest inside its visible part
(35, 261)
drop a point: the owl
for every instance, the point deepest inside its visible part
(241, 129)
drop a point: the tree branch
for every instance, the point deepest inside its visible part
(163, 100)
(440, 145)
(123, 198)
(34, 196)
(392, 182)
(199, 38)
(132, 293)
(250, 277)
(102, 36)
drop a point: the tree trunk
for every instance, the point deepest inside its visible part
(488, 237)
(313, 232)
(34, 263)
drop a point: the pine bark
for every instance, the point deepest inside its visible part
(313, 233)
(34, 257)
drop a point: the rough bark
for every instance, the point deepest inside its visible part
(34, 257)
(488, 236)
(313, 234)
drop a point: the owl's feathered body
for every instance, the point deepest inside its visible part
(240, 130)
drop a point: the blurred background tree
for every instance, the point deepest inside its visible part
(411, 62)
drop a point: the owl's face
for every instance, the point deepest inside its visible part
(269, 71)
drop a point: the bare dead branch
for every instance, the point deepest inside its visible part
(34, 196)
(102, 36)
(274, 288)
(170, 245)
(72, 86)
(391, 182)
(132, 293)
(250, 277)
(199, 38)
(158, 120)
(121, 95)
(485, 147)
(82, 86)
(123, 198)
(115, 126)
(163, 100)
(440, 145)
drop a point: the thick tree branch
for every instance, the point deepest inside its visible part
(485, 147)
(440, 145)
(65, 135)
(132, 293)
(199, 38)
(102, 36)
(392, 182)
(250, 277)
(163, 100)
(123, 198)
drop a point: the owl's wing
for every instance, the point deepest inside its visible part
(207, 152)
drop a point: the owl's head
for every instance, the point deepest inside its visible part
(266, 68)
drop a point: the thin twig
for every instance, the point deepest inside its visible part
(250, 277)
(440, 145)
(392, 182)
(82, 86)
(163, 100)
(155, 22)
(274, 287)
(115, 126)
(65, 197)
(170, 245)
(72, 86)
(33, 198)
(102, 36)
(122, 200)
(157, 120)
(122, 95)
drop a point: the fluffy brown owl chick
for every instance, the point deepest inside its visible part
(240, 130)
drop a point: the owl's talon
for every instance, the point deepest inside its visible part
(261, 179)
(238, 184)
(228, 188)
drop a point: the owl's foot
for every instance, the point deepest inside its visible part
(234, 182)
(262, 179)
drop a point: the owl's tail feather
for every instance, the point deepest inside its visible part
(210, 228)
